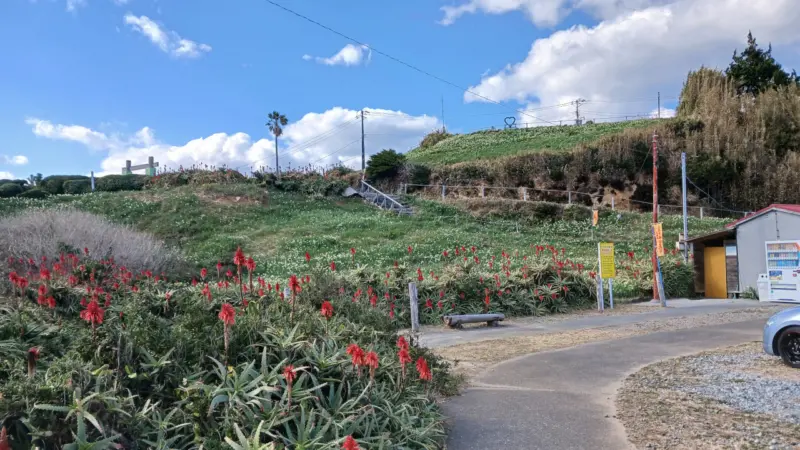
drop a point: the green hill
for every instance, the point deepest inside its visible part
(488, 144)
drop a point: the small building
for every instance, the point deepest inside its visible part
(728, 262)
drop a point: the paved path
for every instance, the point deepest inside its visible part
(563, 399)
(442, 337)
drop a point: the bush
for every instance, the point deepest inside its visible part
(8, 190)
(34, 193)
(577, 212)
(77, 186)
(54, 184)
(114, 183)
(416, 174)
(385, 165)
(21, 183)
(199, 177)
(547, 210)
(433, 138)
(37, 233)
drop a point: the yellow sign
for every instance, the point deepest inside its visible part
(595, 217)
(605, 253)
(659, 239)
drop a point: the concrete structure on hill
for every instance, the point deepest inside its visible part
(729, 262)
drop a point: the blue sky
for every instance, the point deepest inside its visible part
(86, 84)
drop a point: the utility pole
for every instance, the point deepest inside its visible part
(363, 151)
(655, 215)
(659, 104)
(578, 103)
(685, 216)
(444, 128)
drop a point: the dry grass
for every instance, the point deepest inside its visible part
(48, 232)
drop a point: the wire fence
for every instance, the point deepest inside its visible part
(526, 194)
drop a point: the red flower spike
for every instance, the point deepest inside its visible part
(350, 444)
(308, 257)
(227, 314)
(326, 310)
(289, 374)
(203, 273)
(424, 371)
(238, 257)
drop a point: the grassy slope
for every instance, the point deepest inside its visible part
(492, 144)
(279, 235)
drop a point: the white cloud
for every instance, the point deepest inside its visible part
(16, 160)
(4, 175)
(73, 5)
(619, 65)
(665, 113)
(546, 12)
(317, 139)
(168, 41)
(350, 55)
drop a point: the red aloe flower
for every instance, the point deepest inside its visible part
(429, 304)
(371, 361)
(349, 444)
(333, 266)
(424, 371)
(228, 317)
(219, 269)
(44, 273)
(93, 314)
(308, 257)
(402, 343)
(410, 250)
(404, 358)
(326, 310)
(445, 254)
(289, 374)
(357, 355)
(238, 257)
(203, 273)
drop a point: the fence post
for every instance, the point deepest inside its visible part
(93, 181)
(569, 197)
(701, 212)
(483, 191)
(444, 190)
(659, 209)
(405, 188)
(525, 194)
(412, 295)
(612, 203)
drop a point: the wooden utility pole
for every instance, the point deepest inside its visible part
(578, 103)
(659, 105)
(363, 152)
(655, 214)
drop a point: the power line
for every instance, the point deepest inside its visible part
(399, 61)
(336, 151)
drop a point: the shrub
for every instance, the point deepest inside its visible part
(34, 193)
(10, 190)
(54, 184)
(21, 183)
(416, 174)
(40, 232)
(199, 176)
(547, 210)
(77, 186)
(114, 183)
(577, 212)
(385, 165)
(433, 138)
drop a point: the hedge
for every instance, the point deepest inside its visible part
(54, 184)
(77, 186)
(34, 193)
(10, 190)
(113, 183)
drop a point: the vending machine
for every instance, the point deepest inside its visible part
(783, 271)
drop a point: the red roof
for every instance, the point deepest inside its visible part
(774, 207)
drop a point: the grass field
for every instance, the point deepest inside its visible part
(498, 143)
(207, 224)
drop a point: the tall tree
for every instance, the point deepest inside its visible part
(755, 70)
(275, 124)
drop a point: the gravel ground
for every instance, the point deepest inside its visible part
(472, 358)
(736, 397)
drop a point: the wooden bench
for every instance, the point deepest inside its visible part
(458, 320)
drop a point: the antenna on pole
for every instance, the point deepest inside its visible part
(444, 127)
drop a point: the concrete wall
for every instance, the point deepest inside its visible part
(750, 239)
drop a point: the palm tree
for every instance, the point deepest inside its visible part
(275, 124)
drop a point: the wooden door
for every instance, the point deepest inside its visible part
(716, 280)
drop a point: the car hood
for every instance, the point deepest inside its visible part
(786, 316)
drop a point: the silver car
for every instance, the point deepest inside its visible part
(782, 336)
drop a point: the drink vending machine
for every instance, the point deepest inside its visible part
(783, 271)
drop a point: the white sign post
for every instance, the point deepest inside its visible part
(605, 257)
